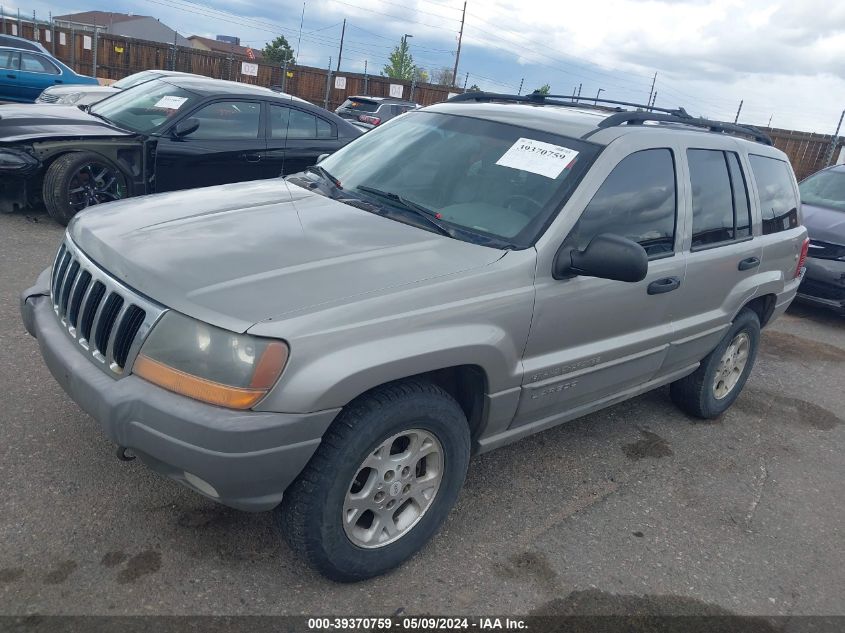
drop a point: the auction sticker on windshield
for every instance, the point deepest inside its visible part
(537, 157)
(170, 102)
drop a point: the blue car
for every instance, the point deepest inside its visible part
(25, 73)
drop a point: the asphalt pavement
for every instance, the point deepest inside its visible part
(637, 507)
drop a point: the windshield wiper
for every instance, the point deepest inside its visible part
(419, 210)
(325, 175)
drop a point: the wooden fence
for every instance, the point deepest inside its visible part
(112, 57)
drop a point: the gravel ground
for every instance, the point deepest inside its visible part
(635, 507)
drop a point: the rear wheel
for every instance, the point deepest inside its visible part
(712, 388)
(381, 483)
(78, 180)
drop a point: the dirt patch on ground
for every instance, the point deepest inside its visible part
(142, 564)
(651, 445)
(60, 572)
(768, 405)
(781, 345)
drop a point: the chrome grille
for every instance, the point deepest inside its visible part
(108, 320)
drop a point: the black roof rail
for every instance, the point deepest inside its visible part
(643, 114)
(714, 126)
(571, 100)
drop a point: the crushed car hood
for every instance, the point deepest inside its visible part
(824, 224)
(35, 121)
(235, 255)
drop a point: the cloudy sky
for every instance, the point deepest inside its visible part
(784, 58)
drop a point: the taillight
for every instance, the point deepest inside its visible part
(372, 120)
(803, 257)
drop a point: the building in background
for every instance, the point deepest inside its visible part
(231, 39)
(220, 46)
(143, 27)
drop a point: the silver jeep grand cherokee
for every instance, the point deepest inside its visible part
(335, 345)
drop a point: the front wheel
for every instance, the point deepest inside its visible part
(712, 388)
(78, 180)
(383, 480)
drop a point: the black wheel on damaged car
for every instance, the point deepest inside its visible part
(78, 180)
(712, 388)
(381, 483)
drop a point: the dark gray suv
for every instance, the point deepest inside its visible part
(368, 112)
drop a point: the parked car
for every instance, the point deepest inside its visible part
(89, 95)
(368, 112)
(25, 73)
(13, 41)
(823, 200)
(165, 134)
(335, 345)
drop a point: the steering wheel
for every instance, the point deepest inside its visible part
(510, 200)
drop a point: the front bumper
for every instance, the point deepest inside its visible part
(248, 458)
(824, 284)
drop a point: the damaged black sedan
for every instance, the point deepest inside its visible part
(167, 134)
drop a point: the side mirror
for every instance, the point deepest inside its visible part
(185, 127)
(607, 256)
(322, 157)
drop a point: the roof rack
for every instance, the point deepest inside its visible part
(644, 113)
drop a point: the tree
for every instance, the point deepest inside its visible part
(544, 89)
(401, 64)
(278, 51)
(442, 76)
(420, 75)
(474, 88)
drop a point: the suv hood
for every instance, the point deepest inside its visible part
(235, 255)
(824, 224)
(34, 121)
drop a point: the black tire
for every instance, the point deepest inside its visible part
(57, 182)
(310, 516)
(696, 393)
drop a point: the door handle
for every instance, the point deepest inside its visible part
(58, 81)
(667, 284)
(11, 76)
(251, 158)
(748, 263)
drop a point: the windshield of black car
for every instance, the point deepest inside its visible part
(147, 107)
(487, 177)
(824, 189)
(360, 105)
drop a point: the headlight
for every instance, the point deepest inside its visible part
(70, 99)
(210, 364)
(14, 160)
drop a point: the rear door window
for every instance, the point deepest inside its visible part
(228, 120)
(778, 202)
(10, 60)
(720, 211)
(37, 64)
(295, 124)
(638, 200)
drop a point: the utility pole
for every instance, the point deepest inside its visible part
(579, 92)
(466, 81)
(285, 72)
(405, 53)
(328, 84)
(521, 81)
(653, 101)
(769, 124)
(340, 52)
(460, 38)
(596, 102)
(366, 77)
(301, 20)
(651, 92)
(833, 141)
(738, 110)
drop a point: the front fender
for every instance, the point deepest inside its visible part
(333, 379)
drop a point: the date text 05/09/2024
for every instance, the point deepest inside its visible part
(424, 623)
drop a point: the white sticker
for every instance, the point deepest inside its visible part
(537, 157)
(340, 83)
(396, 90)
(35, 33)
(62, 38)
(86, 42)
(48, 36)
(249, 69)
(170, 102)
(14, 29)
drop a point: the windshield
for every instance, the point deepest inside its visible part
(360, 105)
(145, 108)
(490, 178)
(824, 189)
(134, 80)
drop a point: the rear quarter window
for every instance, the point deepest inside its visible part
(778, 201)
